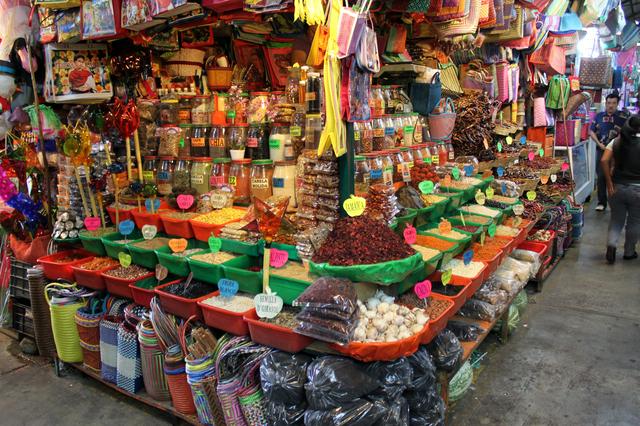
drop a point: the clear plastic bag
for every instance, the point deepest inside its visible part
(424, 371)
(528, 256)
(283, 376)
(446, 350)
(327, 330)
(168, 141)
(358, 413)
(465, 332)
(477, 309)
(285, 415)
(325, 167)
(328, 293)
(522, 270)
(494, 297)
(327, 181)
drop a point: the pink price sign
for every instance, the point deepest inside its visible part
(410, 235)
(532, 155)
(184, 201)
(422, 289)
(92, 223)
(278, 258)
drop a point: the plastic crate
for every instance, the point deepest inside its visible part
(181, 306)
(143, 256)
(275, 336)
(54, 270)
(19, 269)
(222, 319)
(144, 290)
(19, 288)
(293, 253)
(208, 272)
(114, 248)
(142, 218)
(175, 264)
(239, 247)
(238, 269)
(22, 320)
(120, 286)
(177, 227)
(202, 231)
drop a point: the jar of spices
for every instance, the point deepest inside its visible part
(377, 126)
(258, 141)
(435, 155)
(217, 146)
(149, 170)
(199, 140)
(361, 176)
(284, 180)
(280, 142)
(407, 163)
(238, 115)
(169, 140)
(201, 110)
(200, 173)
(240, 180)
(367, 136)
(313, 130)
(293, 82)
(389, 132)
(184, 148)
(261, 179)
(297, 130)
(398, 125)
(418, 126)
(396, 157)
(417, 154)
(375, 166)
(389, 101)
(388, 167)
(378, 104)
(236, 139)
(165, 175)
(168, 112)
(409, 130)
(314, 93)
(257, 108)
(220, 106)
(220, 172)
(182, 174)
(184, 109)
(357, 137)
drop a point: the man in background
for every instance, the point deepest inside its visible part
(604, 129)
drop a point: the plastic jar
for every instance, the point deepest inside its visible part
(261, 179)
(313, 131)
(240, 111)
(235, 138)
(389, 132)
(217, 145)
(240, 180)
(388, 168)
(201, 110)
(377, 101)
(377, 128)
(396, 157)
(219, 172)
(168, 112)
(165, 175)
(169, 140)
(417, 154)
(389, 101)
(184, 109)
(258, 141)
(435, 155)
(374, 162)
(182, 174)
(220, 107)
(361, 176)
(184, 148)
(409, 130)
(257, 108)
(284, 180)
(407, 164)
(357, 137)
(297, 131)
(149, 169)
(443, 154)
(398, 125)
(418, 130)
(200, 173)
(451, 155)
(279, 140)
(199, 140)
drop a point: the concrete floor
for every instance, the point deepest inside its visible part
(574, 360)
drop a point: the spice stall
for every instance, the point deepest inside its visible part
(253, 199)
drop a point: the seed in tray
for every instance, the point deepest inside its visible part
(130, 272)
(238, 303)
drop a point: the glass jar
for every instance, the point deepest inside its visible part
(149, 170)
(165, 176)
(220, 172)
(169, 140)
(201, 110)
(424, 128)
(389, 102)
(451, 155)
(361, 176)
(389, 132)
(236, 140)
(240, 180)
(409, 130)
(418, 126)
(426, 154)
(357, 137)
(200, 173)
(374, 162)
(377, 127)
(284, 180)
(435, 155)
(184, 148)
(407, 164)
(220, 107)
(387, 168)
(417, 154)
(312, 131)
(168, 112)
(313, 97)
(184, 109)
(182, 174)
(257, 108)
(297, 131)
(443, 154)
(238, 115)
(398, 125)
(261, 179)
(258, 141)
(293, 83)
(217, 145)
(378, 103)
(279, 140)
(396, 157)
(199, 139)
(404, 101)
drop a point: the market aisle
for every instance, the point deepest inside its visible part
(577, 361)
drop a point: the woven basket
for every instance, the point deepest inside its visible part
(181, 395)
(253, 407)
(65, 332)
(218, 78)
(203, 387)
(91, 356)
(152, 357)
(228, 394)
(129, 365)
(186, 62)
(109, 348)
(88, 327)
(40, 313)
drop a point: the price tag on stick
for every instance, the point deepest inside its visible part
(126, 228)
(268, 305)
(410, 234)
(446, 277)
(161, 272)
(423, 291)
(92, 223)
(278, 258)
(426, 186)
(124, 258)
(178, 245)
(467, 257)
(149, 231)
(215, 244)
(184, 201)
(354, 206)
(228, 288)
(152, 205)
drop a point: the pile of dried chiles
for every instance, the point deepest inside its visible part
(361, 241)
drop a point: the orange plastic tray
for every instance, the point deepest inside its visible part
(91, 278)
(54, 270)
(177, 227)
(142, 218)
(222, 319)
(203, 231)
(436, 325)
(275, 336)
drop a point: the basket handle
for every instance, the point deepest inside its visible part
(52, 285)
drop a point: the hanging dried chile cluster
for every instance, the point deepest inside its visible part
(473, 124)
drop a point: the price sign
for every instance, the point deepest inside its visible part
(149, 231)
(278, 258)
(455, 172)
(531, 155)
(422, 289)
(564, 167)
(218, 201)
(124, 258)
(444, 226)
(215, 244)
(426, 187)
(523, 140)
(518, 209)
(531, 195)
(499, 146)
(228, 288)
(178, 245)
(517, 221)
(354, 206)
(468, 170)
(492, 230)
(544, 179)
(503, 188)
(481, 198)
(126, 227)
(184, 201)
(509, 140)
(91, 223)
(553, 178)
(490, 193)
(541, 152)
(467, 257)
(268, 305)
(161, 272)
(152, 204)
(410, 235)
(446, 277)
(500, 171)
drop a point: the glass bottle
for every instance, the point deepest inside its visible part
(313, 130)
(168, 112)
(389, 102)
(284, 180)
(398, 125)
(396, 157)
(149, 170)
(258, 141)
(220, 172)
(375, 168)
(361, 176)
(297, 130)
(409, 130)
(236, 140)
(199, 140)
(417, 154)
(443, 154)
(451, 155)
(261, 179)
(240, 180)
(200, 173)
(217, 145)
(165, 176)
(184, 109)
(407, 164)
(182, 174)
(280, 143)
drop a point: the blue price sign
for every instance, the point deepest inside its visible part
(126, 227)
(523, 140)
(468, 170)
(500, 171)
(152, 205)
(468, 257)
(228, 288)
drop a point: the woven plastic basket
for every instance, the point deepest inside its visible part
(129, 365)
(63, 325)
(179, 388)
(152, 358)
(88, 326)
(109, 348)
(91, 356)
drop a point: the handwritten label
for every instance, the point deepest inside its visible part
(149, 231)
(481, 198)
(422, 289)
(491, 230)
(215, 244)
(564, 167)
(152, 204)
(455, 172)
(354, 206)
(444, 226)
(523, 140)
(92, 223)
(446, 277)
(278, 258)
(500, 171)
(126, 227)
(509, 140)
(531, 155)
(218, 201)
(467, 257)
(410, 235)
(161, 272)
(178, 245)
(468, 170)
(490, 193)
(228, 288)
(541, 152)
(518, 209)
(184, 201)
(544, 179)
(426, 186)
(531, 195)
(499, 146)
(268, 305)
(554, 178)
(124, 258)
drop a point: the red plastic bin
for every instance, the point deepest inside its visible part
(177, 227)
(436, 325)
(202, 231)
(54, 270)
(180, 306)
(459, 298)
(275, 336)
(538, 247)
(91, 278)
(222, 319)
(142, 218)
(143, 296)
(549, 243)
(492, 264)
(120, 286)
(123, 214)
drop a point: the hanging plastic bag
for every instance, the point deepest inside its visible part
(351, 25)
(367, 53)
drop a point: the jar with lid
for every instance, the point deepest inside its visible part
(238, 114)
(258, 141)
(407, 163)
(418, 125)
(404, 101)
(199, 139)
(261, 179)
(374, 163)
(358, 128)
(200, 173)
(257, 108)
(220, 172)
(377, 128)
(236, 140)
(398, 125)
(182, 174)
(366, 134)
(220, 107)
(284, 180)
(361, 176)
(240, 180)
(443, 154)
(165, 176)
(378, 102)
(417, 155)
(313, 97)
(184, 149)
(389, 132)
(201, 110)
(297, 130)
(149, 170)
(293, 83)
(280, 145)
(426, 154)
(409, 130)
(184, 109)
(388, 168)
(435, 155)
(168, 112)
(396, 157)
(217, 145)
(312, 131)
(389, 102)
(451, 155)
(423, 128)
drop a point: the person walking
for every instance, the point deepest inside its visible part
(605, 128)
(623, 186)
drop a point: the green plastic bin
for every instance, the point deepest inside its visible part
(455, 201)
(92, 244)
(208, 272)
(461, 244)
(497, 219)
(143, 256)
(238, 270)
(293, 253)
(403, 221)
(113, 248)
(287, 288)
(239, 247)
(179, 265)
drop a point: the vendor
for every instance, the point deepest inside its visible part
(604, 129)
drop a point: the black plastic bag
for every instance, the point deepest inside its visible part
(424, 371)
(394, 376)
(426, 408)
(359, 413)
(397, 413)
(464, 331)
(334, 381)
(446, 350)
(477, 309)
(285, 415)
(282, 376)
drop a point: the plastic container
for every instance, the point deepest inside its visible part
(143, 295)
(222, 319)
(455, 201)
(459, 298)
(207, 272)
(122, 214)
(142, 218)
(143, 256)
(202, 231)
(238, 270)
(457, 221)
(463, 243)
(175, 264)
(92, 244)
(549, 243)
(239, 247)
(275, 336)
(177, 227)
(90, 278)
(287, 288)
(436, 325)
(497, 219)
(180, 306)
(539, 248)
(113, 248)
(55, 271)
(120, 286)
